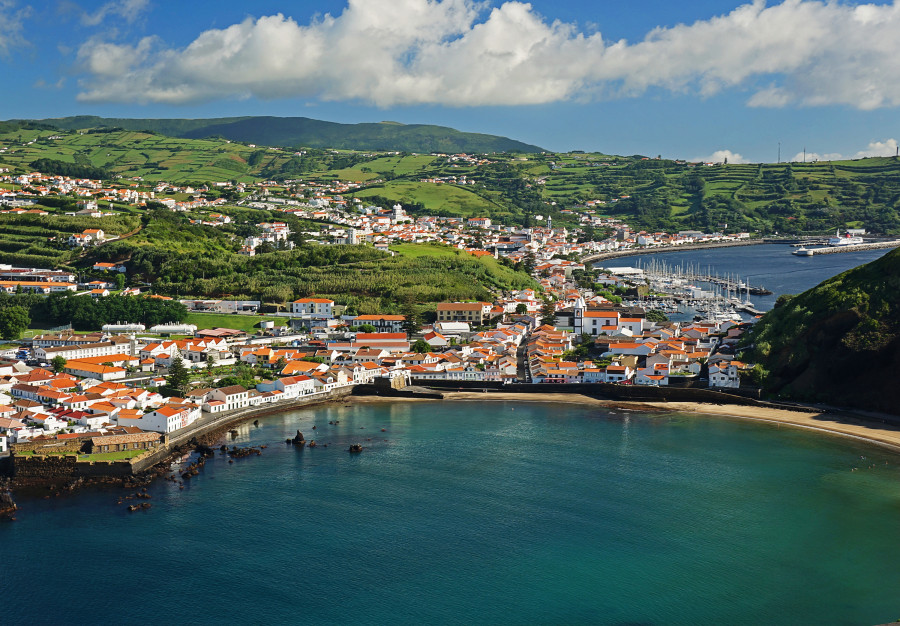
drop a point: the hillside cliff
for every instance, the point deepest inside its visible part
(839, 342)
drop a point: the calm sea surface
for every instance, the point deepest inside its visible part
(768, 265)
(481, 513)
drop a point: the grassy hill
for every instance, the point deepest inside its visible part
(306, 132)
(839, 342)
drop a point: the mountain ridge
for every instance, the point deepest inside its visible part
(307, 132)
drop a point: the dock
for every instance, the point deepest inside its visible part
(854, 248)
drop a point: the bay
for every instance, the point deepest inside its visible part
(486, 513)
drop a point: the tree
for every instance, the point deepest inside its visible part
(179, 378)
(280, 364)
(548, 313)
(14, 320)
(521, 308)
(421, 346)
(59, 363)
(210, 361)
(413, 322)
(120, 281)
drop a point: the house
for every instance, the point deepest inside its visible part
(436, 340)
(165, 419)
(618, 373)
(321, 307)
(725, 375)
(290, 386)
(472, 312)
(382, 323)
(108, 267)
(121, 443)
(85, 369)
(234, 397)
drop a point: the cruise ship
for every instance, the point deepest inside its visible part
(846, 240)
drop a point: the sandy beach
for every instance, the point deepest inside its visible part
(870, 429)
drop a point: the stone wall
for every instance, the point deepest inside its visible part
(71, 446)
(39, 468)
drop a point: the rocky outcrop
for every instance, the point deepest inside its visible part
(298, 439)
(7, 504)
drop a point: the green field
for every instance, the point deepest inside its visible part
(414, 250)
(249, 323)
(435, 197)
(111, 456)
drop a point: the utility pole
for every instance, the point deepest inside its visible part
(779, 152)
(804, 154)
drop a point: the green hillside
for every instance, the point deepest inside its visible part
(839, 342)
(310, 133)
(651, 194)
(202, 261)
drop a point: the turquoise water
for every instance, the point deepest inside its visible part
(481, 513)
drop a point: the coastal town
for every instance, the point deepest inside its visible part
(120, 390)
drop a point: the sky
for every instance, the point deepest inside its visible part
(703, 80)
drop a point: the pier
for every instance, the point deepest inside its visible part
(853, 248)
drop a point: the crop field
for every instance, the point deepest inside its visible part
(435, 197)
(41, 240)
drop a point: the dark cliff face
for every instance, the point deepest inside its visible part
(839, 342)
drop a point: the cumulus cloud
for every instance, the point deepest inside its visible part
(721, 156)
(811, 157)
(885, 148)
(465, 53)
(11, 25)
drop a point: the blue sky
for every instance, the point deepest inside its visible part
(698, 79)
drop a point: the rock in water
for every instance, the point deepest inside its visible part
(298, 438)
(7, 505)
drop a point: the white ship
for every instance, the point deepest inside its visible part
(846, 240)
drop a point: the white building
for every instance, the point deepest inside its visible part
(313, 306)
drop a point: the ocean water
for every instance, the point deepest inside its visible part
(481, 513)
(768, 265)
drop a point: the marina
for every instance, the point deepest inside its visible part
(688, 290)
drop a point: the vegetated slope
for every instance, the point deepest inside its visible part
(202, 261)
(839, 342)
(306, 132)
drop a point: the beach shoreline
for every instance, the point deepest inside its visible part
(836, 423)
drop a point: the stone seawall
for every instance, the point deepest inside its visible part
(609, 391)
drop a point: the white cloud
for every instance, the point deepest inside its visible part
(458, 52)
(129, 10)
(811, 157)
(885, 148)
(720, 156)
(11, 26)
